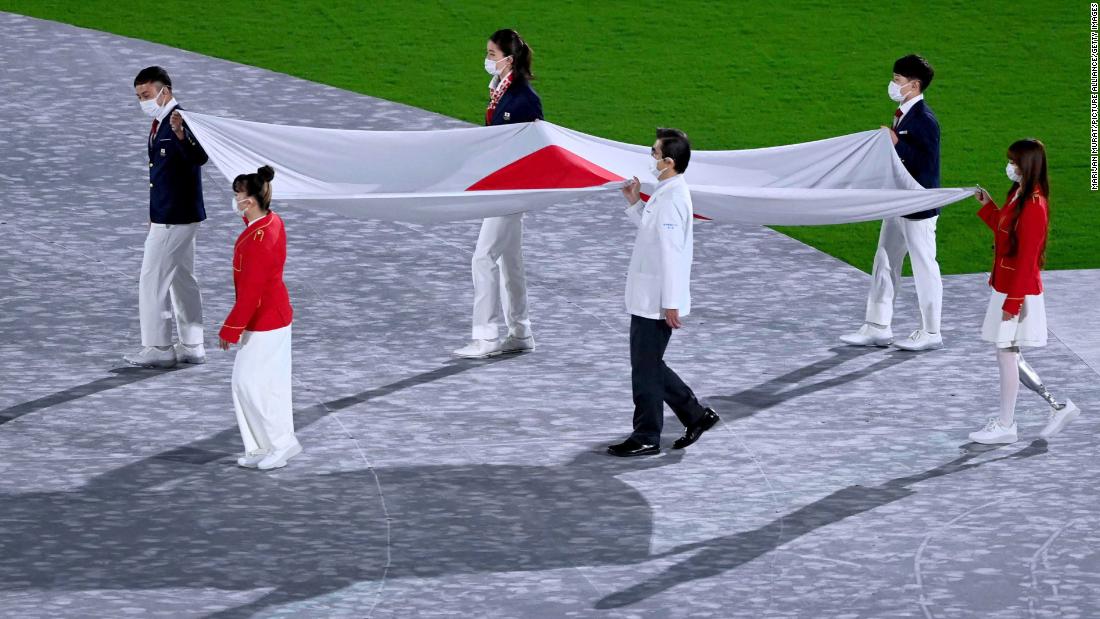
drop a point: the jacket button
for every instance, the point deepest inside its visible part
(150, 164)
(150, 184)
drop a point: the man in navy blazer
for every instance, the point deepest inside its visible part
(916, 136)
(168, 291)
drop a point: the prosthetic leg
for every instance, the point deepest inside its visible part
(1030, 379)
(1061, 413)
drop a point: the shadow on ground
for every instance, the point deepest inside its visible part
(155, 524)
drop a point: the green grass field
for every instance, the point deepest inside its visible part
(733, 75)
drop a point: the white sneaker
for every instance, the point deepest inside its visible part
(994, 433)
(152, 357)
(1059, 419)
(518, 344)
(186, 353)
(479, 349)
(869, 335)
(277, 459)
(251, 459)
(920, 340)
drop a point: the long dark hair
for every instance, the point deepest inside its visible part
(257, 185)
(1030, 157)
(513, 45)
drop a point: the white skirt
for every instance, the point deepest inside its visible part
(1028, 328)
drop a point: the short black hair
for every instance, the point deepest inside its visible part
(152, 74)
(915, 68)
(676, 146)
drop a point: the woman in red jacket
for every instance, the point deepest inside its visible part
(1016, 316)
(260, 321)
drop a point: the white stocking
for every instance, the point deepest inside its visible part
(1010, 384)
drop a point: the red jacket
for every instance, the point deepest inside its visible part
(1017, 276)
(263, 303)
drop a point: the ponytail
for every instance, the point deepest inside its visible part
(511, 44)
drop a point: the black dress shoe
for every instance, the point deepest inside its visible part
(693, 433)
(631, 447)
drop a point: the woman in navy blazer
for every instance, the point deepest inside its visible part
(498, 257)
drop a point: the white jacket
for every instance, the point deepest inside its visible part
(660, 267)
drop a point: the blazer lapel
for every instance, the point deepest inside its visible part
(163, 131)
(499, 111)
(918, 108)
(153, 140)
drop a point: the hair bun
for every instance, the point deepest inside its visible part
(266, 172)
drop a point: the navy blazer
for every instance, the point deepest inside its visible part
(519, 104)
(175, 176)
(919, 149)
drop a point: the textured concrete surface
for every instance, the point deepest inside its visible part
(1075, 296)
(839, 484)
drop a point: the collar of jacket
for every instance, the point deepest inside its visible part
(255, 232)
(668, 182)
(908, 115)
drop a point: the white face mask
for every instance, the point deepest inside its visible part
(1012, 173)
(894, 90)
(237, 209)
(654, 170)
(491, 66)
(150, 106)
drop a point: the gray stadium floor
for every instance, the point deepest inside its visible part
(838, 485)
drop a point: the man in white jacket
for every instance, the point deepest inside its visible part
(657, 297)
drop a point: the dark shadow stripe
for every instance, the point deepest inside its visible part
(122, 377)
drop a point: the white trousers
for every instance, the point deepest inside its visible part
(898, 237)
(262, 390)
(500, 283)
(167, 289)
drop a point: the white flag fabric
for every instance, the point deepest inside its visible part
(454, 174)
